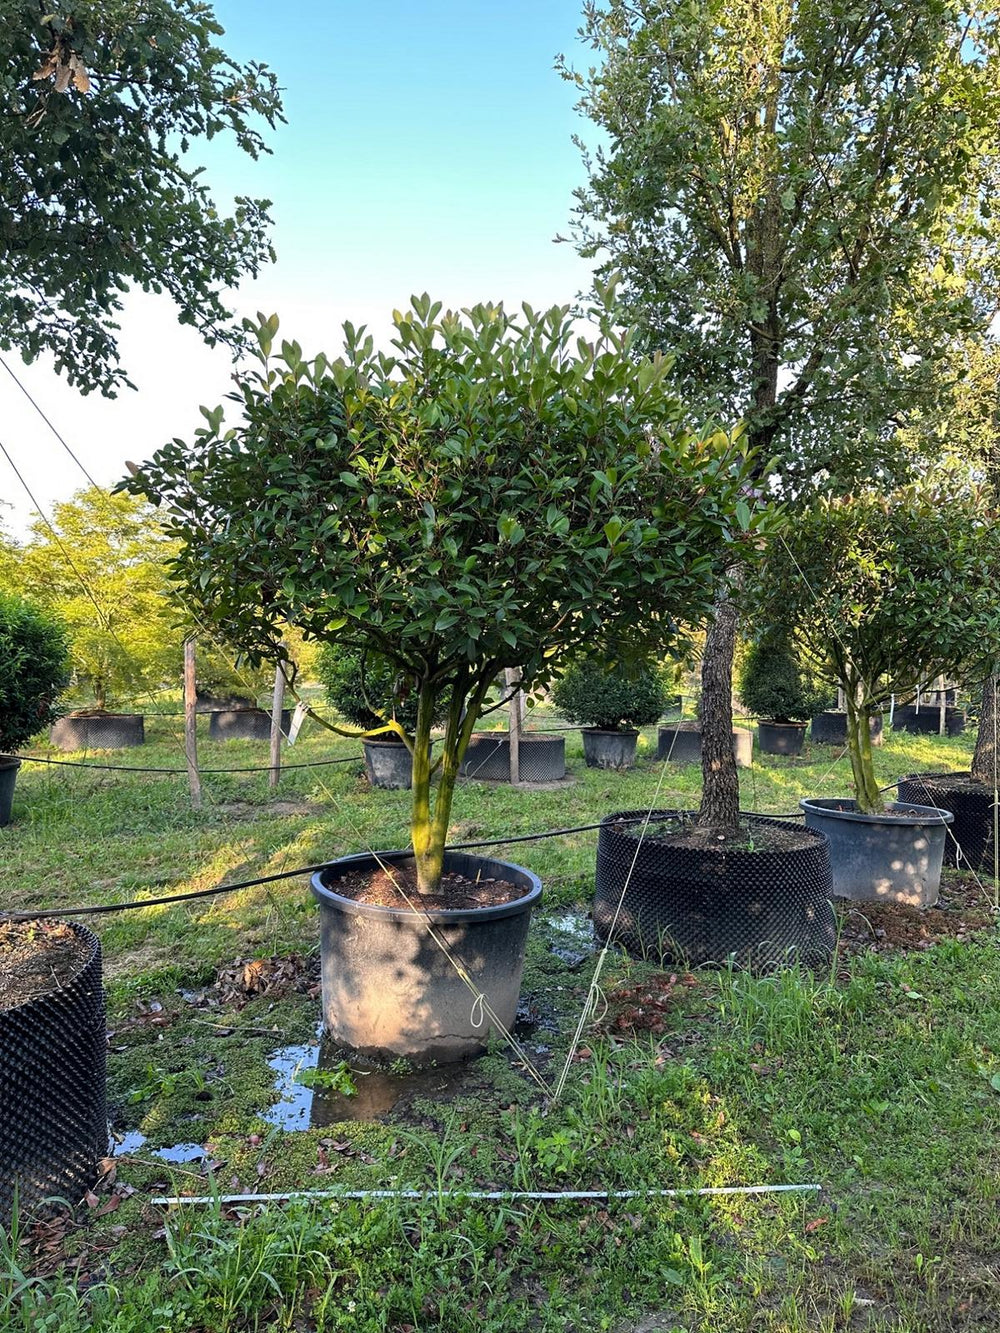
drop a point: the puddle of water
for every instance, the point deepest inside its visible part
(577, 925)
(134, 1142)
(378, 1090)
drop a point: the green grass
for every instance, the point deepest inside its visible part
(874, 1081)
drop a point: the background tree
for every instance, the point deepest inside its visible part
(33, 669)
(100, 101)
(102, 569)
(798, 196)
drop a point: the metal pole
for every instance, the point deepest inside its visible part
(191, 723)
(277, 705)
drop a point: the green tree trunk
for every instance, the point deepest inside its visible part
(859, 744)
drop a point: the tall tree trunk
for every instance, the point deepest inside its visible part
(720, 795)
(985, 759)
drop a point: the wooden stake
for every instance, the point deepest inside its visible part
(511, 676)
(190, 724)
(276, 706)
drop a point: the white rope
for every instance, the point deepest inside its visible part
(708, 1191)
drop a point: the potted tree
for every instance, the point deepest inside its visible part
(611, 700)
(34, 670)
(365, 690)
(773, 690)
(884, 591)
(497, 494)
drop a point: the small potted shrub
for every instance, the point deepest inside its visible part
(365, 689)
(885, 591)
(611, 701)
(773, 690)
(496, 494)
(34, 670)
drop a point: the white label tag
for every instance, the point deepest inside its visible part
(298, 717)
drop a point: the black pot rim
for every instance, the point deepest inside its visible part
(444, 916)
(384, 740)
(824, 807)
(7, 764)
(813, 835)
(611, 731)
(99, 715)
(77, 929)
(525, 737)
(771, 722)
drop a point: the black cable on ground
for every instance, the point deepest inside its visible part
(177, 772)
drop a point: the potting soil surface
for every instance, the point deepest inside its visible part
(756, 836)
(393, 886)
(37, 957)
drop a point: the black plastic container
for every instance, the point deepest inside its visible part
(780, 737)
(540, 758)
(244, 724)
(830, 728)
(388, 764)
(98, 731)
(697, 906)
(681, 744)
(971, 843)
(927, 721)
(614, 750)
(53, 1110)
(8, 778)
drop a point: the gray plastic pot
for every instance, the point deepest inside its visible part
(780, 737)
(540, 758)
(830, 728)
(681, 744)
(609, 749)
(882, 858)
(8, 776)
(389, 989)
(388, 765)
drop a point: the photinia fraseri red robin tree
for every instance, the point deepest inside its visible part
(496, 493)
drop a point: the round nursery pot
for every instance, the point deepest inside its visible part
(830, 728)
(388, 764)
(697, 902)
(780, 737)
(609, 749)
(970, 843)
(388, 988)
(8, 776)
(540, 758)
(927, 720)
(681, 744)
(244, 724)
(98, 731)
(53, 1051)
(895, 857)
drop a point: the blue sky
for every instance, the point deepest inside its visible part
(428, 147)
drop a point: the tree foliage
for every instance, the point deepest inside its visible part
(100, 101)
(101, 567)
(799, 196)
(493, 495)
(885, 591)
(366, 689)
(772, 684)
(34, 669)
(611, 695)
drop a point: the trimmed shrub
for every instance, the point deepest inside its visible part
(612, 698)
(772, 685)
(34, 669)
(357, 684)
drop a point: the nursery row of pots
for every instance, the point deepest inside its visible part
(119, 731)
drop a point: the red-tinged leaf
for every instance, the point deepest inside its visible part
(91, 1199)
(113, 1201)
(816, 1223)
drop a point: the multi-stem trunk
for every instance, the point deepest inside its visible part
(720, 798)
(986, 757)
(859, 746)
(429, 820)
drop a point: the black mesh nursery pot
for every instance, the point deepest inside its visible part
(8, 778)
(244, 724)
(540, 758)
(705, 905)
(53, 1111)
(971, 843)
(389, 989)
(926, 721)
(830, 728)
(98, 731)
(388, 764)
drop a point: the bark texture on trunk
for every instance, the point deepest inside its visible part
(985, 759)
(720, 796)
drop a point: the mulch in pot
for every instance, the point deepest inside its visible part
(457, 892)
(37, 957)
(761, 836)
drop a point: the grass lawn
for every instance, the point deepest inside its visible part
(879, 1080)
